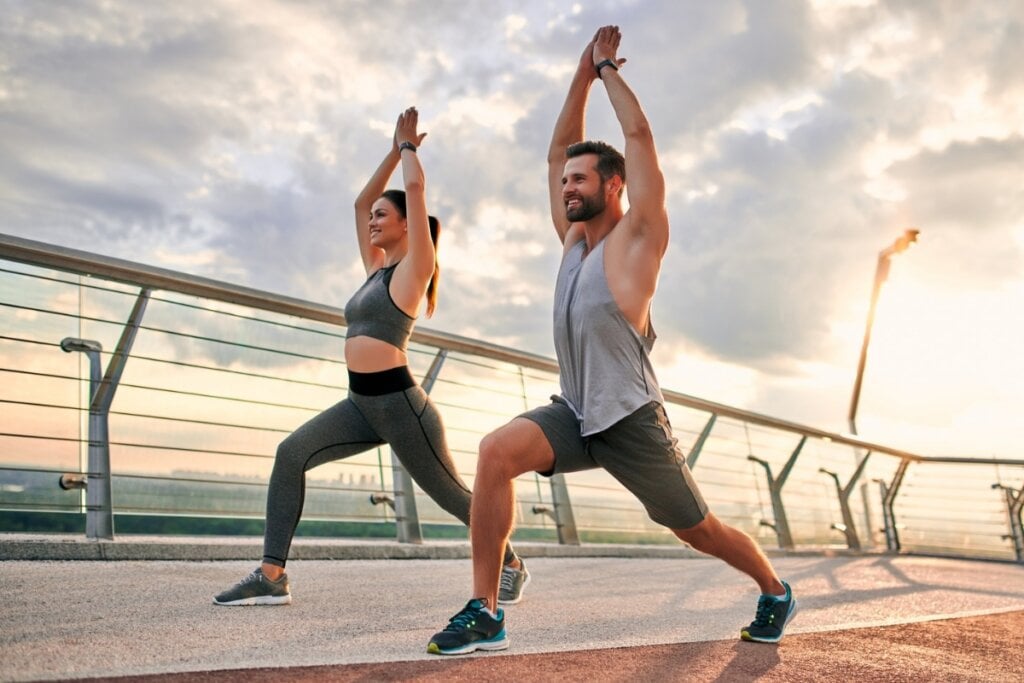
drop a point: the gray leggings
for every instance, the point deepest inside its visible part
(405, 419)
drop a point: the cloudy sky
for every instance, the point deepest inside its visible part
(798, 138)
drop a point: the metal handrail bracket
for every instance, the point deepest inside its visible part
(775, 485)
(848, 527)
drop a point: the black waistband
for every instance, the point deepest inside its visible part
(380, 383)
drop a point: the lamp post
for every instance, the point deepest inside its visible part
(901, 244)
(881, 273)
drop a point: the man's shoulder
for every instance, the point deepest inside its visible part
(634, 232)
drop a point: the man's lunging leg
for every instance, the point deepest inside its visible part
(512, 450)
(776, 606)
(735, 548)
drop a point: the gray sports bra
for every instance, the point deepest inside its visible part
(371, 312)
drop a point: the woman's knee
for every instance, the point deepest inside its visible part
(289, 455)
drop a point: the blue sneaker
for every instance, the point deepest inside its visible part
(773, 615)
(470, 630)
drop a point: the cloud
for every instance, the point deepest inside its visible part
(797, 139)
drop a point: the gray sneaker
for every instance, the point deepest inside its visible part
(256, 589)
(512, 583)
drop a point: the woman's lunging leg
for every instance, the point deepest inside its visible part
(336, 433)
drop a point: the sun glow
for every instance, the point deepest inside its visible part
(940, 355)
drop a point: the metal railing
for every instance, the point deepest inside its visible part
(210, 375)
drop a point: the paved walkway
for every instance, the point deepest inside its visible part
(983, 649)
(371, 620)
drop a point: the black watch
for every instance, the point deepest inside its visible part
(407, 145)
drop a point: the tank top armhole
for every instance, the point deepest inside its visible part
(387, 290)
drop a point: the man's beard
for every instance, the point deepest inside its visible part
(588, 208)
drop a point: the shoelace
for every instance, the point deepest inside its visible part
(508, 578)
(252, 578)
(462, 620)
(764, 611)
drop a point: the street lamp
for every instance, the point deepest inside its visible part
(901, 244)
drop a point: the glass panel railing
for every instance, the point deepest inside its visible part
(217, 376)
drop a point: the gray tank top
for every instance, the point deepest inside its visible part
(371, 312)
(605, 369)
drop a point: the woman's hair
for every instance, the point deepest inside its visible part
(397, 197)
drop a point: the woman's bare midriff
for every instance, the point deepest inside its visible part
(366, 354)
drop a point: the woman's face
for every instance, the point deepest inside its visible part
(387, 226)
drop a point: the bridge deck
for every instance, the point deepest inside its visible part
(128, 618)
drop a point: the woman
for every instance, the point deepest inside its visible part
(384, 405)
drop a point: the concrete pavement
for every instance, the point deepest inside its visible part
(82, 619)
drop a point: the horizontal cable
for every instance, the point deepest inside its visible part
(122, 413)
(206, 512)
(183, 449)
(196, 366)
(84, 284)
(36, 470)
(479, 387)
(95, 287)
(172, 333)
(179, 392)
(20, 505)
(250, 318)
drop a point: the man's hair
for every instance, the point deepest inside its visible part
(609, 160)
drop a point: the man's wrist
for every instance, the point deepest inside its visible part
(602, 64)
(406, 145)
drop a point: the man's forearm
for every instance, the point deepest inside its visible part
(625, 105)
(569, 126)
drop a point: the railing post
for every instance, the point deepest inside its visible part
(698, 445)
(781, 524)
(892, 536)
(560, 511)
(99, 508)
(565, 520)
(1014, 505)
(848, 527)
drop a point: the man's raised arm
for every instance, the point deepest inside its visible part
(568, 129)
(645, 184)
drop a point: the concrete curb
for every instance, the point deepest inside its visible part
(197, 548)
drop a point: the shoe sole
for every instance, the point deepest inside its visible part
(502, 644)
(789, 620)
(256, 600)
(526, 583)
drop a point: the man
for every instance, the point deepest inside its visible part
(611, 411)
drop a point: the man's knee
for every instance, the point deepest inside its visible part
(496, 456)
(504, 454)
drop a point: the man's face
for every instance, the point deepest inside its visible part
(582, 189)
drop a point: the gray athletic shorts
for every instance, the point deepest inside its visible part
(638, 450)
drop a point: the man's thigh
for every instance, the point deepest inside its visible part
(560, 430)
(641, 453)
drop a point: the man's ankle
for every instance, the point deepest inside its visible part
(486, 604)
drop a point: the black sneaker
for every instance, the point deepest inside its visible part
(773, 615)
(513, 581)
(256, 589)
(470, 630)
